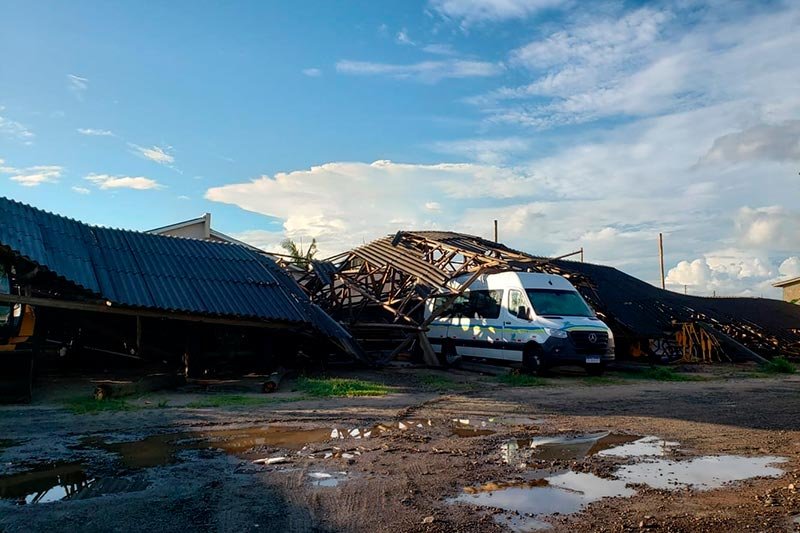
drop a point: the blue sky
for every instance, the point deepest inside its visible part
(575, 125)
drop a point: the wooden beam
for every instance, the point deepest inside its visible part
(110, 309)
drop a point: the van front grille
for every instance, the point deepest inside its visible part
(589, 342)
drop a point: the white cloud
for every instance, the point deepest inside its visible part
(403, 38)
(344, 204)
(470, 12)
(790, 267)
(729, 272)
(778, 142)
(440, 49)
(35, 176)
(156, 154)
(105, 181)
(426, 71)
(77, 84)
(771, 228)
(92, 132)
(15, 130)
(652, 61)
(81, 190)
(489, 151)
(312, 72)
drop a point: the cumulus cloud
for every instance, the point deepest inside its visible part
(93, 132)
(157, 154)
(106, 181)
(35, 176)
(790, 267)
(81, 190)
(343, 204)
(470, 12)
(312, 72)
(426, 71)
(772, 228)
(729, 272)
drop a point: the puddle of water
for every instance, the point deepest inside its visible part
(644, 447)
(325, 479)
(564, 493)
(522, 451)
(160, 450)
(45, 483)
(518, 421)
(701, 473)
(460, 431)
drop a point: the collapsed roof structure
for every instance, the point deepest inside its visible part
(65, 264)
(382, 287)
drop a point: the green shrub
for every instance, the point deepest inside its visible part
(778, 365)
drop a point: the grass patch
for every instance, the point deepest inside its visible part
(236, 400)
(778, 365)
(82, 405)
(600, 380)
(660, 373)
(338, 387)
(436, 382)
(521, 380)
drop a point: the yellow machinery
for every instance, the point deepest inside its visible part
(17, 323)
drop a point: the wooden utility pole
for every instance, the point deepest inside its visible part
(661, 258)
(495, 231)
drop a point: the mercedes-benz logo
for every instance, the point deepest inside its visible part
(592, 337)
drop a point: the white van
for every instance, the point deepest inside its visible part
(539, 320)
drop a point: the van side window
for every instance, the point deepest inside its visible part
(515, 301)
(485, 304)
(458, 308)
(472, 304)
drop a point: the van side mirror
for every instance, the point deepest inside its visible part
(523, 312)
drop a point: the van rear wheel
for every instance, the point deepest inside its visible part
(449, 356)
(532, 359)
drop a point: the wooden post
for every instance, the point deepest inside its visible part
(581, 254)
(495, 231)
(138, 334)
(661, 258)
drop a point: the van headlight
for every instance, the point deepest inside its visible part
(556, 333)
(610, 348)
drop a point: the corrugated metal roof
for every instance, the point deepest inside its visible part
(159, 272)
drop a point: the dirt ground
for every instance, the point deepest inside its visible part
(173, 465)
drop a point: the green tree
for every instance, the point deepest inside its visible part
(297, 255)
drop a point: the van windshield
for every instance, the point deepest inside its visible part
(558, 302)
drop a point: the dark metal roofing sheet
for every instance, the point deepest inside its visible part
(159, 272)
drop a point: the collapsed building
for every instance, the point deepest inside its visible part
(378, 291)
(74, 296)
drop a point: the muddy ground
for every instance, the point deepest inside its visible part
(169, 465)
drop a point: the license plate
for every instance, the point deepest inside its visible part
(593, 360)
